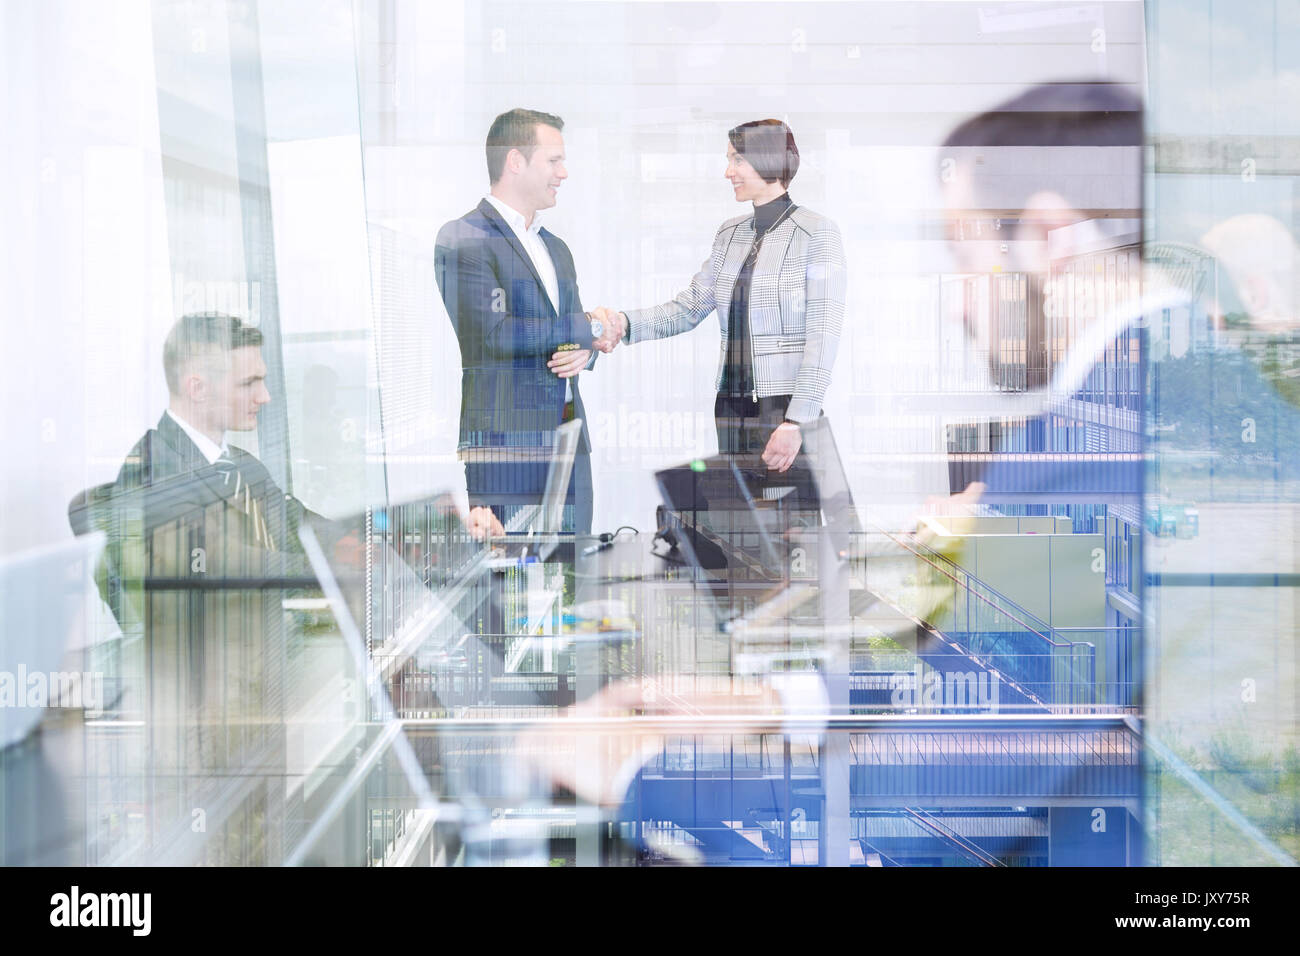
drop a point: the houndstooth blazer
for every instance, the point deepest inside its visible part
(796, 305)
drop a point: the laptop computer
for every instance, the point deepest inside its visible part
(45, 597)
(404, 570)
(725, 526)
(752, 504)
(535, 529)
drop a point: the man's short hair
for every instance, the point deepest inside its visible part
(516, 129)
(767, 145)
(202, 333)
(1056, 114)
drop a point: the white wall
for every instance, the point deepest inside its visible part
(88, 299)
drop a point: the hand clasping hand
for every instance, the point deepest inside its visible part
(615, 328)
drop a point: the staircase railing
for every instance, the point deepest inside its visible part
(986, 624)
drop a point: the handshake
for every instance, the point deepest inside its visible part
(608, 328)
(613, 326)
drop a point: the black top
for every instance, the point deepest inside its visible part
(737, 371)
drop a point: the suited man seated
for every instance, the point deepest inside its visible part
(201, 545)
(511, 290)
(184, 473)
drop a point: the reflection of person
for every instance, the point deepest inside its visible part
(216, 380)
(1069, 316)
(511, 290)
(776, 278)
(1050, 194)
(206, 509)
(200, 542)
(186, 504)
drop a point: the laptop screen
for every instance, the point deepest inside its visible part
(829, 476)
(726, 527)
(740, 523)
(551, 518)
(393, 564)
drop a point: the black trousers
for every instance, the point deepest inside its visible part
(744, 428)
(507, 486)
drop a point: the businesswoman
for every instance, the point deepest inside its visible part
(776, 278)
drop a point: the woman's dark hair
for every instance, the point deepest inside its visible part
(768, 146)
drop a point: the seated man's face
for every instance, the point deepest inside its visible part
(243, 393)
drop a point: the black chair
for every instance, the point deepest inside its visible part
(87, 509)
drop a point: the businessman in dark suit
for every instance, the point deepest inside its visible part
(184, 470)
(511, 291)
(202, 546)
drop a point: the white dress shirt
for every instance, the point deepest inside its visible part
(210, 449)
(530, 238)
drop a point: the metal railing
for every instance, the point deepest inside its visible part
(984, 624)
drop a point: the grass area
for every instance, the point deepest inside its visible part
(1186, 830)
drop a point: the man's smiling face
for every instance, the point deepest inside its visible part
(542, 176)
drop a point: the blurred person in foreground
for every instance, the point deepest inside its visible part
(1058, 191)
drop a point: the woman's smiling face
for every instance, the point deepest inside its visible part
(745, 180)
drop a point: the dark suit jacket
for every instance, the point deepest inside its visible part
(508, 331)
(195, 568)
(179, 481)
(168, 501)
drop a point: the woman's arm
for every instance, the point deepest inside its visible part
(825, 279)
(690, 306)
